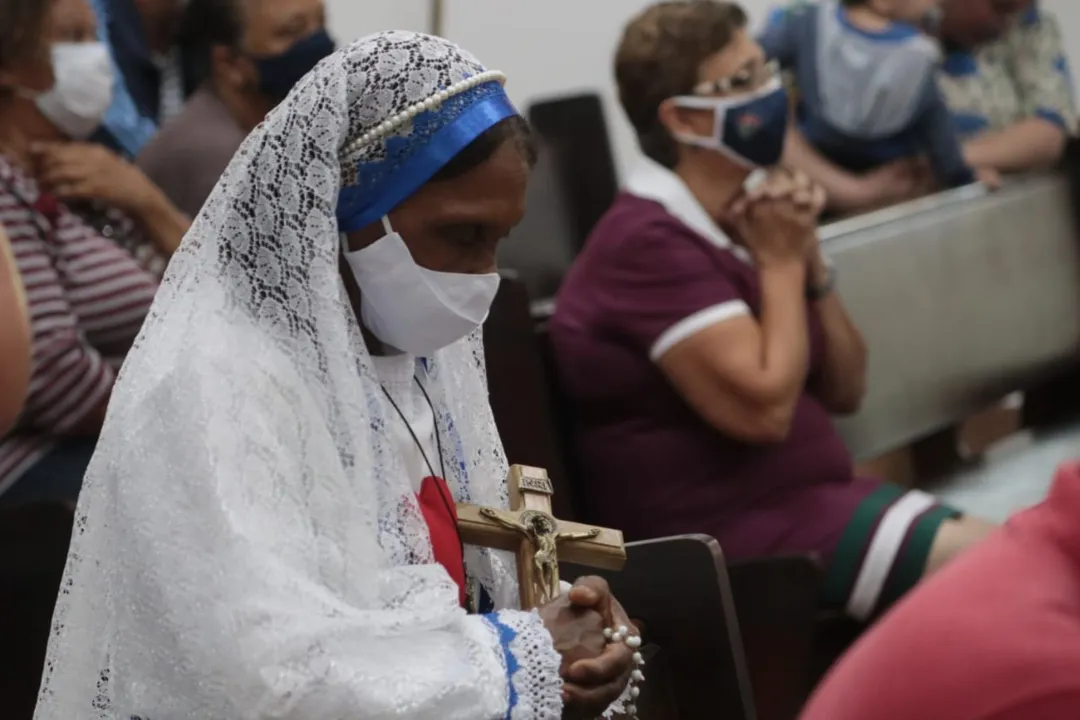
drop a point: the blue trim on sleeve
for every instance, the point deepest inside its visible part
(507, 635)
(1052, 116)
(1030, 16)
(960, 64)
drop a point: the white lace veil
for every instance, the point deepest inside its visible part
(246, 443)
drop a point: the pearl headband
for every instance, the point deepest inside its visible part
(388, 127)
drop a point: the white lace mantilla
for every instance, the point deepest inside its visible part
(247, 542)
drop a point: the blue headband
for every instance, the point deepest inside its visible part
(437, 136)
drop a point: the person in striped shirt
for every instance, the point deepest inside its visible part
(89, 233)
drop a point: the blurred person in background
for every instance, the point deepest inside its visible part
(844, 52)
(253, 52)
(703, 345)
(90, 235)
(14, 338)
(1006, 80)
(154, 74)
(1008, 84)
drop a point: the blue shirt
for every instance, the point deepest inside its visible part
(1023, 75)
(866, 98)
(127, 127)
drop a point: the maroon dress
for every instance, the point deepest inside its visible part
(654, 271)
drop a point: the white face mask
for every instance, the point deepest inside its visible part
(411, 308)
(77, 102)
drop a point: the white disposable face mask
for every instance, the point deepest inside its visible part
(411, 308)
(77, 102)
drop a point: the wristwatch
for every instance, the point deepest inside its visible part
(820, 291)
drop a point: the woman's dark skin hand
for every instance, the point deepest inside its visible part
(594, 672)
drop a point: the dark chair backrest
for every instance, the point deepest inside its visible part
(519, 386)
(777, 603)
(572, 185)
(1056, 400)
(678, 588)
(542, 247)
(575, 130)
(33, 549)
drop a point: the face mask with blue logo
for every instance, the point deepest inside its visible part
(279, 73)
(750, 129)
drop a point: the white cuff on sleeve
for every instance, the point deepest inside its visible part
(694, 324)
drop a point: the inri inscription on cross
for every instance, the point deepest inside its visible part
(540, 541)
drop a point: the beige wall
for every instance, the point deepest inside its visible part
(555, 47)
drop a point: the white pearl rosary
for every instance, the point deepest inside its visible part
(622, 634)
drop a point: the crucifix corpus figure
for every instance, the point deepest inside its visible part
(542, 531)
(539, 539)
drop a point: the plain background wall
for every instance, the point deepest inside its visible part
(557, 47)
(352, 19)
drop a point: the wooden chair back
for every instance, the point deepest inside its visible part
(678, 589)
(777, 602)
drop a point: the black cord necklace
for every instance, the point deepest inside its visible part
(438, 446)
(412, 433)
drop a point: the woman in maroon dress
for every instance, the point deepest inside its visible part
(703, 344)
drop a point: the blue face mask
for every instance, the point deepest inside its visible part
(749, 129)
(278, 73)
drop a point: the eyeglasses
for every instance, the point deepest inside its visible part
(747, 79)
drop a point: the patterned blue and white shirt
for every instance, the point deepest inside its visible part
(1023, 75)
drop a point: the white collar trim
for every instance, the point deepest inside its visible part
(652, 181)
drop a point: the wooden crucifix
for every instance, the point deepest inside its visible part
(540, 541)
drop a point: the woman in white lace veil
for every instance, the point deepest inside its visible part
(248, 543)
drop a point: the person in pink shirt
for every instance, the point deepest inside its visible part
(994, 636)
